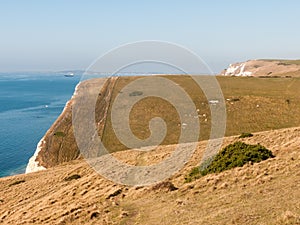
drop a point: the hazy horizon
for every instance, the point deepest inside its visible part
(70, 35)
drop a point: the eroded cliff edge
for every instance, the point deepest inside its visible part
(58, 144)
(264, 68)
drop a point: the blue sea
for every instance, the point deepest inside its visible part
(29, 104)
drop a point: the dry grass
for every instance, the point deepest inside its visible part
(255, 104)
(263, 193)
(286, 61)
(261, 104)
(271, 68)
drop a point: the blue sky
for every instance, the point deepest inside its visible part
(70, 34)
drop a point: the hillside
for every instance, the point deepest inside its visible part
(264, 68)
(252, 105)
(58, 144)
(72, 193)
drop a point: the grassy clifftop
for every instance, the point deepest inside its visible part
(252, 105)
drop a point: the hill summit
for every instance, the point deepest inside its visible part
(264, 68)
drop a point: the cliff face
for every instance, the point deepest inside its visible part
(264, 68)
(59, 144)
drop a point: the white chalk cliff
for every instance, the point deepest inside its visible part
(33, 165)
(264, 68)
(237, 70)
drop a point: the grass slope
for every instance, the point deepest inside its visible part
(263, 193)
(254, 104)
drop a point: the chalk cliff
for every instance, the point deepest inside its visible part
(264, 68)
(58, 144)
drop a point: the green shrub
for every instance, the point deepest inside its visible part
(193, 175)
(233, 155)
(245, 135)
(59, 134)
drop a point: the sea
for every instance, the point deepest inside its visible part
(29, 104)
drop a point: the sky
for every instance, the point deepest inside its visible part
(70, 34)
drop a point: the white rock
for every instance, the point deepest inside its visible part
(33, 165)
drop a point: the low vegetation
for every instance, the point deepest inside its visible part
(17, 182)
(59, 134)
(283, 61)
(72, 177)
(246, 135)
(233, 155)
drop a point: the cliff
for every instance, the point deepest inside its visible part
(264, 68)
(252, 105)
(58, 144)
(73, 193)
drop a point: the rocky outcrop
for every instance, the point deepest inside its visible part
(58, 144)
(237, 69)
(264, 68)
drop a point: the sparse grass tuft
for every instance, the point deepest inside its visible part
(17, 182)
(246, 135)
(59, 134)
(72, 177)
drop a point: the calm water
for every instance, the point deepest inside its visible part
(29, 104)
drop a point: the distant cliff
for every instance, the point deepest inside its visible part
(264, 68)
(59, 145)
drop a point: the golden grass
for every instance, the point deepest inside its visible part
(263, 193)
(287, 61)
(264, 104)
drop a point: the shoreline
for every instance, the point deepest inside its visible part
(33, 165)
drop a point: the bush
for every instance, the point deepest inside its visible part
(233, 155)
(193, 175)
(245, 135)
(59, 134)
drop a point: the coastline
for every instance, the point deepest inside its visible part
(33, 165)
